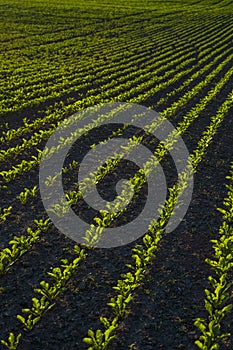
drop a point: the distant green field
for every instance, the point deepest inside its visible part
(166, 290)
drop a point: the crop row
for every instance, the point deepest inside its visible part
(7, 258)
(11, 134)
(24, 165)
(218, 295)
(142, 254)
(26, 95)
(212, 37)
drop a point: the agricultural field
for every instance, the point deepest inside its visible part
(166, 289)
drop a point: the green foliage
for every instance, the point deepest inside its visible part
(4, 213)
(147, 68)
(18, 246)
(218, 296)
(13, 341)
(23, 196)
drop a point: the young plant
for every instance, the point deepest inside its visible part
(23, 196)
(218, 296)
(100, 340)
(43, 225)
(4, 213)
(13, 341)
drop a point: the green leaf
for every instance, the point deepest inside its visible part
(99, 336)
(227, 308)
(109, 332)
(88, 341)
(21, 319)
(104, 321)
(91, 333)
(200, 345)
(200, 324)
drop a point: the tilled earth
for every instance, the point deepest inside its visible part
(171, 296)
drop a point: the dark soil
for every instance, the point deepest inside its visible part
(171, 296)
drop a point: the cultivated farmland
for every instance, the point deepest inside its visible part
(167, 289)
